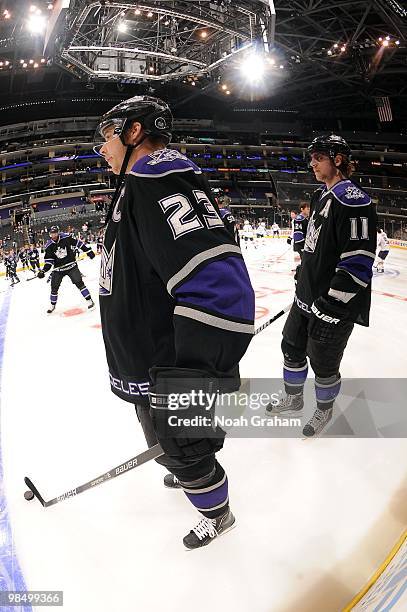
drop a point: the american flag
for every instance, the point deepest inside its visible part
(384, 109)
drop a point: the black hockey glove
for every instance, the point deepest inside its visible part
(289, 240)
(91, 254)
(328, 316)
(40, 274)
(182, 412)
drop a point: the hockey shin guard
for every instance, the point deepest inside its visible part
(295, 375)
(209, 494)
(327, 390)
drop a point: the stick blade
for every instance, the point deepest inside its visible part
(34, 490)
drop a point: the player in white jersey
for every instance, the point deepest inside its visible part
(261, 232)
(247, 233)
(383, 248)
(276, 230)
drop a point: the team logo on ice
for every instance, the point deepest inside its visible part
(165, 155)
(353, 193)
(106, 271)
(61, 253)
(312, 236)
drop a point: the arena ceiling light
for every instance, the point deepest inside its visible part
(36, 24)
(253, 67)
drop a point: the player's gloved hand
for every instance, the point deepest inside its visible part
(328, 316)
(91, 254)
(289, 240)
(40, 274)
(181, 414)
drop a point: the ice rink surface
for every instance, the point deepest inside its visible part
(314, 519)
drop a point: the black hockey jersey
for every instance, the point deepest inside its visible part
(230, 223)
(33, 254)
(300, 224)
(339, 250)
(10, 263)
(174, 289)
(61, 254)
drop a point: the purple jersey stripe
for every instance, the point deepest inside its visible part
(358, 265)
(211, 499)
(221, 287)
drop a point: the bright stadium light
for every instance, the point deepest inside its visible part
(122, 27)
(253, 67)
(36, 24)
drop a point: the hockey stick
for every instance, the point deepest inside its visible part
(270, 321)
(148, 455)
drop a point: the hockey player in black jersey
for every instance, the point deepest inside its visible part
(60, 254)
(34, 258)
(334, 282)
(10, 263)
(177, 306)
(300, 224)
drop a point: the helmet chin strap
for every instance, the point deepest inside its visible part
(120, 180)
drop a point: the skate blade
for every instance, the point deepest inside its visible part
(284, 413)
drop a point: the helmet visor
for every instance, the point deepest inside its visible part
(105, 132)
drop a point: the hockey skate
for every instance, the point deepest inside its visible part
(171, 482)
(51, 309)
(289, 404)
(209, 529)
(318, 422)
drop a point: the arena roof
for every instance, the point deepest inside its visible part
(322, 57)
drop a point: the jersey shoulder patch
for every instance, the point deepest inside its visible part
(163, 162)
(349, 194)
(48, 244)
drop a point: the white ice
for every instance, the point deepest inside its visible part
(314, 518)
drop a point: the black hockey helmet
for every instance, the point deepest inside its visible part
(154, 115)
(332, 145)
(54, 229)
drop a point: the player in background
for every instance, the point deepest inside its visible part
(290, 239)
(300, 225)
(333, 290)
(33, 258)
(10, 262)
(248, 234)
(261, 232)
(383, 248)
(226, 215)
(177, 306)
(276, 230)
(60, 254)
(23, 256)
(99, 243)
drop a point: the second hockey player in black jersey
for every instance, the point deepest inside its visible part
(177, 306)
(334, 282)
(300, 224)
(60, 254)
(34, 258)
(10, 263)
